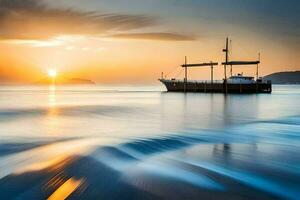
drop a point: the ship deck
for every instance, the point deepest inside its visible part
(216, 86)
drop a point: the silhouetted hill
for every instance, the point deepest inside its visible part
(64, 81)
(284, 77)
(80, 81)
(4, 80)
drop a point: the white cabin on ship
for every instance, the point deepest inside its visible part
(240, 79)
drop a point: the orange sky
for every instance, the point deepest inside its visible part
(125, 48)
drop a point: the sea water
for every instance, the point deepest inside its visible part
(129, 142)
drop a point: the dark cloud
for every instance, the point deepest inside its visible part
(32, 19)
(155, 36)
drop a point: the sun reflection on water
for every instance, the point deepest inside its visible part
(66, 189)
(52, 96)
(52, 121)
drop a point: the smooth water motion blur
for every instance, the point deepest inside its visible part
(95, 142)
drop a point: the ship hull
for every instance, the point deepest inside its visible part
(207, 87)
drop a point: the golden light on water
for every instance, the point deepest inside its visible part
(66, 189)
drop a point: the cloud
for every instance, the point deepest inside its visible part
(34, 20)
(155, 36)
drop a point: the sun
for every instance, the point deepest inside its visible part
(52, 73)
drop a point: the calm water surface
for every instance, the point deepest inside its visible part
(96, 142)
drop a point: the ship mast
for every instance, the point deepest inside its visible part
(211, 64)
(257, 76)
(230, 48)
(185, 78)
(225, 65)
(226, 58)
(231, 63)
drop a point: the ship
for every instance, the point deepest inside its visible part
(233, 84)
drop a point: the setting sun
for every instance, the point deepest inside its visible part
(52, 73)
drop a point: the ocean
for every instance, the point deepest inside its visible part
(129, 142)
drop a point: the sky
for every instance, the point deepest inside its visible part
(133, 41)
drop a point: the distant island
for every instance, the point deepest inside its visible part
(80, 81)
(71, 81)
(292, 77)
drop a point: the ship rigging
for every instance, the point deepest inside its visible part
(233, 84)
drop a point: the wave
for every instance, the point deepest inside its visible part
(238, 163)
(74, 111)
(17, 147)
